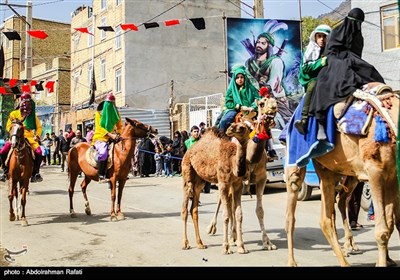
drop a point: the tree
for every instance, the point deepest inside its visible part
(308, 24)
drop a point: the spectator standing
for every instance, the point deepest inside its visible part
(77, 139)
(71, 134)
(89, 133)
(168, 161)
(64, 148)
(56, 153)
(176, 160)
(47, 142)
(354, 207)
(158, 159)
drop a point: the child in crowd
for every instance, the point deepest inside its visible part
(158, 159)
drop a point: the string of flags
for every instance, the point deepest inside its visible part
(198, 23)
(20, 86)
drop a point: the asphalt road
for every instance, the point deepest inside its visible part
(151, 234)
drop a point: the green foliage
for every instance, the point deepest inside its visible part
(308, 24)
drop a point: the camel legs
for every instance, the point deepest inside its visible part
(328, 181)
(212, 227)
(194, 189)
(342, 203)
(384, 196)
(260, 186)
(294, 178)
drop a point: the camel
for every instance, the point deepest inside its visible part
(216, 159)
(360, 158)
(256, 158)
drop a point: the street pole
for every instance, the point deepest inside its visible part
(28, 42)
(258, 8)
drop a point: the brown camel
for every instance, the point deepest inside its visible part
(216, 159)
(360, 158)
(256, 158)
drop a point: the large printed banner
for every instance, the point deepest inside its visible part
(271, 52)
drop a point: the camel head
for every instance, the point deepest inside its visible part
(267, 109)
(239, 130)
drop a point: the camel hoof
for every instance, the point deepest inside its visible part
(227, 252)
(269, 247)
(120, 216)
(201, 246)
(186, 245)
(211, 229)
(113, 218)
(24, 222)
(243, 251)
(12, 217)
(292, 263)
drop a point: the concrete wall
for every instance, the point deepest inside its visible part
(387, 62)
(193, 59)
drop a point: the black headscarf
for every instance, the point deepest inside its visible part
(347, 36)
(346, 70)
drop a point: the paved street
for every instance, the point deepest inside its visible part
(151, 234)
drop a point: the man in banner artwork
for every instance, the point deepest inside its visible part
(274, 58)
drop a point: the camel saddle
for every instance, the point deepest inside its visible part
(372, 93)
(91, 156)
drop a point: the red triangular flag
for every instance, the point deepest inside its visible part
(171, 22)
(26, 88)
(50, 86)
(3, 90)
(40, 34)
(33, 83)
(13, 82)
(130, 26)
(83, 30)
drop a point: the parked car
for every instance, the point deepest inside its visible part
(275, 169)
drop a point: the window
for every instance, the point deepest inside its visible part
(90, 73)
(90, 37)
(76, 79)
(76, 40)
(118, 84)
(390, 27)
(103, 22)
(118, 35)
(103, 5)
(103, 69)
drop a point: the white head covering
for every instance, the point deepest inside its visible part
(313, 50)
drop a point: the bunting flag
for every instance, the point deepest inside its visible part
(40, 34)
(199, 23)
(13, 82)
(130, 26)
(33, 83)
(12, 35)
(171, 22)
(15, 90)
(2, 61)
(50, 86)
(148, 25)
(39, 86)
(106, 28)
(83, 30)
(26, 88)
(3, 90)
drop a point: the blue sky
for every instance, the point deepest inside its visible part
(60, 10)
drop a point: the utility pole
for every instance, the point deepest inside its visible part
(28, 41)
(258, 8)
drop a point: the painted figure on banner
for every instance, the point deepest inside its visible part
(274, 61)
